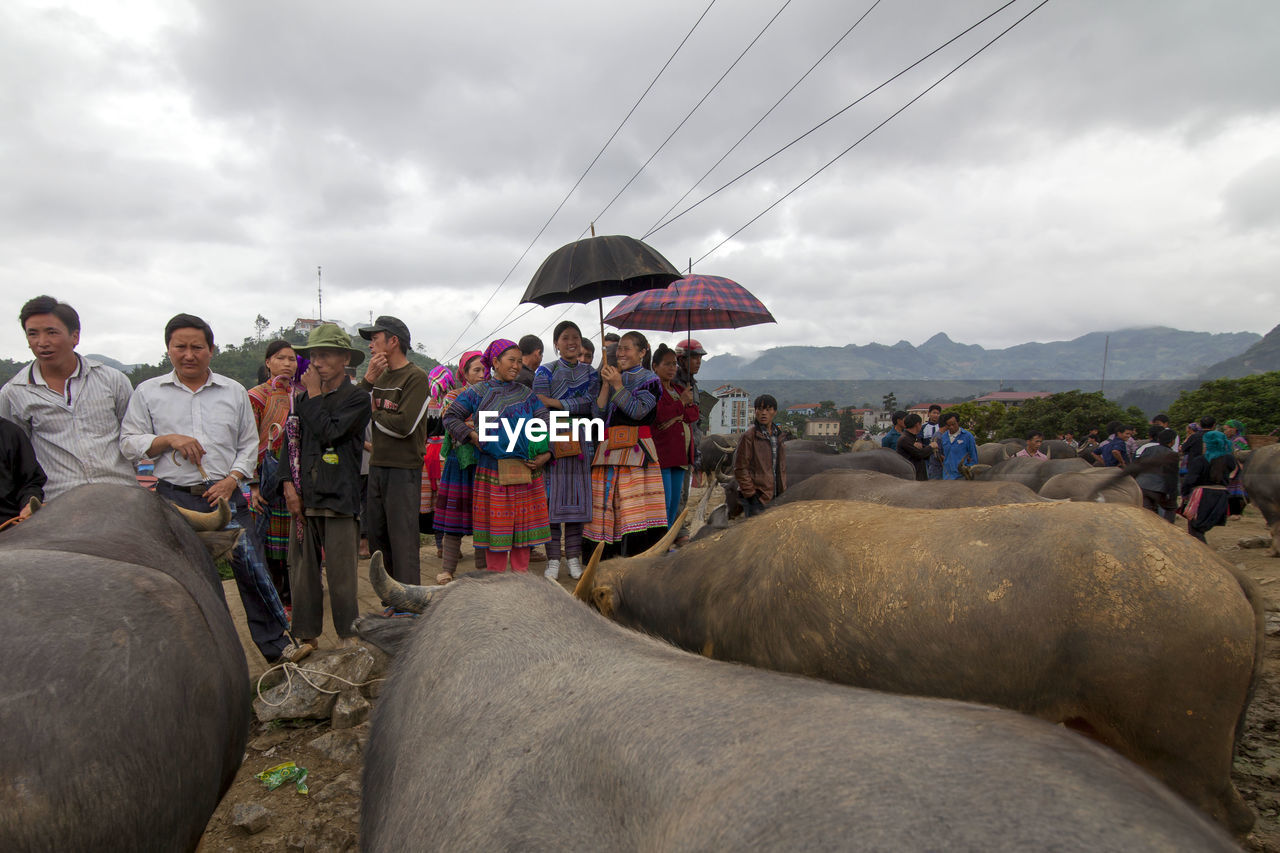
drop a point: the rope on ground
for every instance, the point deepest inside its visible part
(289, 668)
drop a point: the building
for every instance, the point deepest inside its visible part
(865, 417)
(1012, 399)
(805, 409)
(731, 413)
(823, 429)
(303, 326)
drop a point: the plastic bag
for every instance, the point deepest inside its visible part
(274, 777)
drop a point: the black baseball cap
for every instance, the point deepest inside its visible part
(391, 326)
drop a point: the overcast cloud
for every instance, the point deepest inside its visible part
(1103, 165)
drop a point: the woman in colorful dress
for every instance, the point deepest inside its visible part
(672, 432)
(1204, 489)
(1236, 498)
(508, 518)
(457, 475)
(628, 503)
(271, 403)
(439, 381)
(568, 384)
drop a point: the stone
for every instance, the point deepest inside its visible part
(1254, 542)
(344, 746)
(297, 699)
(351, 709)
(251, 817)
(345, 785)
(273, 737)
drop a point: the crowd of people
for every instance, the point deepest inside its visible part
(1195, 475)
(329, 457)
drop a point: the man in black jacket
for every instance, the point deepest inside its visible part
(21, 477)
(332, 414)
(913, 448)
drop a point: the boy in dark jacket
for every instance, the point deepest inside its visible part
(331, 417)
(21, 477)
(913, 448)
(760, 464)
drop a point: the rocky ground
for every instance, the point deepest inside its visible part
(326, 820)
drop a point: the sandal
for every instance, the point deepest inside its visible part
(444, 578)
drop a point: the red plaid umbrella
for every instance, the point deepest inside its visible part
(693, 302)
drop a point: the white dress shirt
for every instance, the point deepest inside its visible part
(218, 415)
(75, 432)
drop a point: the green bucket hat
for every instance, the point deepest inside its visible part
(329, 336)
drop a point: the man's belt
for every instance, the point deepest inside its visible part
(198, 489)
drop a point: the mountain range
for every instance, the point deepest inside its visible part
(1157, 353)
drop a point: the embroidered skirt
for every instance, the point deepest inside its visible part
(506, 517)
(453, 498)
(627, 496)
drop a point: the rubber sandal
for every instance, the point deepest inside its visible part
(293, 654)
(443, 578)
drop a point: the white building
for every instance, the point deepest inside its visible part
(731, 413)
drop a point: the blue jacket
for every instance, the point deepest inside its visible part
(957, 449)
(890, 439)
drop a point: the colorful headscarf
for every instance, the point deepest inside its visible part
(466, 359)
(439, 381)
(1239, 427)
(496, 349)
(1193, 427)
(1216, 444)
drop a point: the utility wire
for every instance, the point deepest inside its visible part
(689, 114)
(894, 115)
(582, 177)
(760, 120)
(829, 119)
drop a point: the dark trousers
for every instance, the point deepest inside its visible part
(266, 631)
(334, 540)
(391, 520)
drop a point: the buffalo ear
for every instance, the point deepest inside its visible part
(219, 543)
(602, 598)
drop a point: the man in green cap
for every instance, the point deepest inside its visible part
(332, 415)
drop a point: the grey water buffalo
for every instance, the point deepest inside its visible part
(874, 487)
(1103, 485)
(1032, 473)
(862, 445)
(517, 719)
(808, 445)
(993, 453)
(1261, 482)
(1102, 618)
(124, 703)
(1056, 448)
(717, 454)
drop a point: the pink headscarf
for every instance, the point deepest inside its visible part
(439, 381)
(466, 359)
(496, 349)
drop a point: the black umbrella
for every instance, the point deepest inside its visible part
(611, 265)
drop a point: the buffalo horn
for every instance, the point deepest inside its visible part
(407, 597)
(665, 543)
(582, 591)
(701, 518)
(204, 522)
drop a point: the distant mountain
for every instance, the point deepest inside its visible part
(111, 362)
(1262, 357)
(1148, 354)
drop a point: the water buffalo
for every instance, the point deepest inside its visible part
(1102, 485)
(993, 453)
(125, 697)
(862, 445)
(517, 719)
(808, 445)
(874, 487)
(1032, 473)
(1262, 483)
(717, 454)
(1056, 448)
(1022, 606)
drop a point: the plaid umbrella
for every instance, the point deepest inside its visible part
(693, 302)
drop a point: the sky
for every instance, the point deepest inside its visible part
(1102, 165)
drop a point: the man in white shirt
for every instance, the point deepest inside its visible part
(199, 428)
(929, 432)
(69, 406)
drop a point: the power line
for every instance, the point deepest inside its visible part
(690, 113)
(892, 116)
(581, 177)
(760, 120)
(829, 119)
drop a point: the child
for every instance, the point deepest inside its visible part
(760, 464)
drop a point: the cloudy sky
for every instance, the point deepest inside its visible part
(1102, 165)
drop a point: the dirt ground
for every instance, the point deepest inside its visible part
(326, 820)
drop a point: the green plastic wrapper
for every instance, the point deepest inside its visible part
(274, 777)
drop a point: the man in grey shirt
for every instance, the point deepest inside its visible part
(199, 428)
(69, 406)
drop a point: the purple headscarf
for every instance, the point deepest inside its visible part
(467, 358)
(439, 381)
(496, 349)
